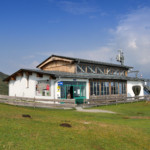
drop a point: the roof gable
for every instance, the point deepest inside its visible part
(78, 60)
(53, 58)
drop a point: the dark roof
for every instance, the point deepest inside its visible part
(87, 62)
(57, 74)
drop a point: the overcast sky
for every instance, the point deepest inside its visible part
(32, 30)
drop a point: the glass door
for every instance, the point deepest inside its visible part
(72, 91)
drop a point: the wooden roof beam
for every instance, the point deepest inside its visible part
(13, 78)
(39, 75)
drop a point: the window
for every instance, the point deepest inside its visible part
(43, 88)
(116, 72)
(114, 87)
(89, 69)
(110, 71)
(105, 88)
(122, 88)
(94, 88)
(122, 73)
(81, 68)
(93, 69)
(100, 70)
(91, 88)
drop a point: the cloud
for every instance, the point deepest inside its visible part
(132, 35)
(103, 54)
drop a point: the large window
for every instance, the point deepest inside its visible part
(122, 88)
(102, 88)
(94, 88)
(114, 87)
(43, 88)
(105, 88)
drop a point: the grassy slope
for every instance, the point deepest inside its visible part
(3, 85)
(90, 131)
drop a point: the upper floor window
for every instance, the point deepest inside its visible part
(81, 68)
(116, 72)
(90, 69)
(122, 73)
(100, 70)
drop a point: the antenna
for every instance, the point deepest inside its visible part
(120, 57)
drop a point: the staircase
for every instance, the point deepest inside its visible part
(147, 89)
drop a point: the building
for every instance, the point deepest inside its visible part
(60, 77)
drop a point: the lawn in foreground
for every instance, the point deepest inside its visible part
(127, 130)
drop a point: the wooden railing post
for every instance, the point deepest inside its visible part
(34, 102)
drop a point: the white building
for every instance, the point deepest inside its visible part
(60, 77)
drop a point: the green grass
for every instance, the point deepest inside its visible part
(89, 131)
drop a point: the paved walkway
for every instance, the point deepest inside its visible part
(94, 110)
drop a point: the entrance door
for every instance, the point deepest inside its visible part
(77, 92)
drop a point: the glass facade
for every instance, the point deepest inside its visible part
(104, 88)
(114, 88)
(82, 68)
(107, 88)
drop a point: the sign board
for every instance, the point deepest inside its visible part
(60, 83)
(58, 88)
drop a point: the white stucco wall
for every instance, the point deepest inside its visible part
(19, 87)
(130, 84)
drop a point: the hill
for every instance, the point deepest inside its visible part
(3, 85)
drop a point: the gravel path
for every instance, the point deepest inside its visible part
(94, 110)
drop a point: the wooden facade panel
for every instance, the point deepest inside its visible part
(59, 65)
(52, 59)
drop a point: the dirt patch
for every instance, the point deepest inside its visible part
(65, 125)
(126, 117)
(140, 117)
(136, 117)
(140, 113)
(80, 109)
(26, 116)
